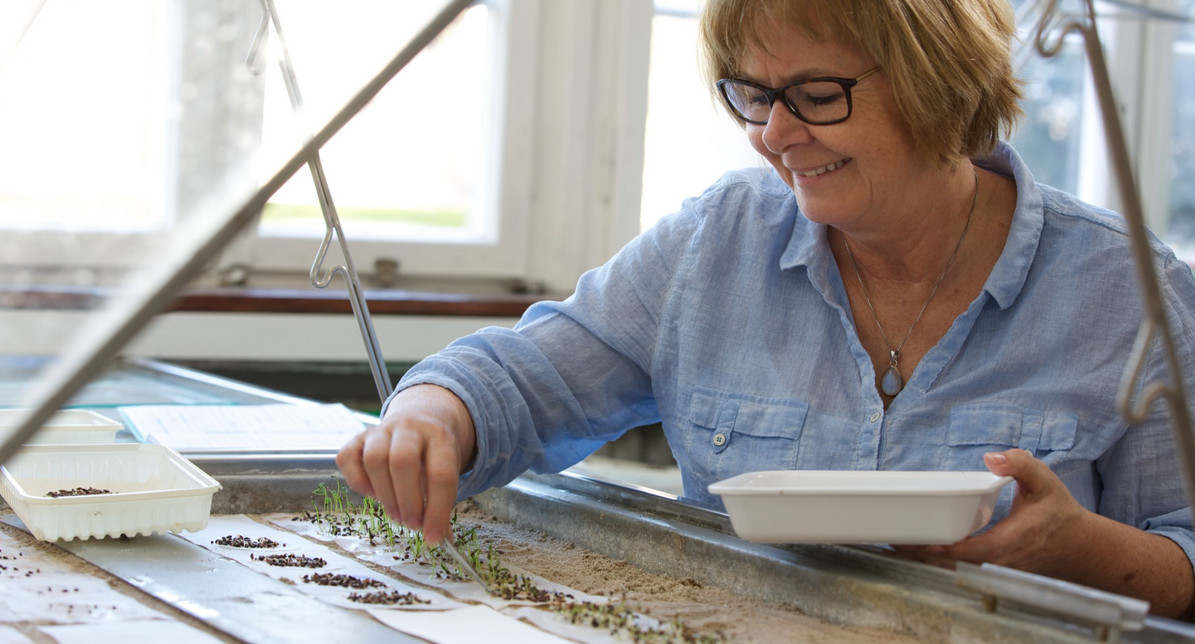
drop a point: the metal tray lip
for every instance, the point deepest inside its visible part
(860, 483)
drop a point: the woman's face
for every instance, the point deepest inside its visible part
(850, 175)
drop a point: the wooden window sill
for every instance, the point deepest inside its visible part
(272, 300)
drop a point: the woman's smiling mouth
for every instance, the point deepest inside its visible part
(823, 169)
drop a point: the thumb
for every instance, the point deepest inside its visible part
(1019, 464)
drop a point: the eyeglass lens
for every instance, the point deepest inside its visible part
(814, 102)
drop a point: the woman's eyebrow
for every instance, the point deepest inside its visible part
(793, 78)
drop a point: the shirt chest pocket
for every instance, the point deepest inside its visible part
(733, 433)
(990, 427)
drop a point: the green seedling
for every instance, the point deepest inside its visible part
(336, 514)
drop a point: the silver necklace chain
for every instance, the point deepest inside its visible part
(891, 383)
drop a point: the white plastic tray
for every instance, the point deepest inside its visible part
(154, 489)
(808, 506)
(70, 426)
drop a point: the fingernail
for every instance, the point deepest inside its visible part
(936, 551)
(995, 457)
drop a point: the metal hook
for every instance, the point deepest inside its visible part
(256, 59)
(318, 280)
(1052, 29)
(321, 279)
(1154, 322)
(1136, 413)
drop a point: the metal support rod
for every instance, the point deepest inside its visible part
(1154, 325)
(347, 271)
(193, 246)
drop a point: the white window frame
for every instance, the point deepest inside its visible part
(564, 173)
(1139, 55)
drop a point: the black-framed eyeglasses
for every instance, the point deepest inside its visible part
(823, 100)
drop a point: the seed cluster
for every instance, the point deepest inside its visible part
(29, 572)
(346, 581)
(240, 541)
(79, 491)
(392, 598)
(288, 560)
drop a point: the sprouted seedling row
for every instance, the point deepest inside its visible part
(335, 513)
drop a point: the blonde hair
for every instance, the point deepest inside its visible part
(949, 61)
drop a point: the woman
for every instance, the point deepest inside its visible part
(896, 293)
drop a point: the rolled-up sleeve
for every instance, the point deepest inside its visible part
(571, 375)
(1143, 473)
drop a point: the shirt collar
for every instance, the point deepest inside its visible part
(809, 247)
(1012, 268)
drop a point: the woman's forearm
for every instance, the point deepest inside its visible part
(1135, 563)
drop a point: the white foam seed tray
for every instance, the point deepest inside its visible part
(69, 426)
(154, 490)
(859, 507)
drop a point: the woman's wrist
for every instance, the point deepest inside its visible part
(441, 403)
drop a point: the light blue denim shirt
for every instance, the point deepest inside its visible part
(728, 323)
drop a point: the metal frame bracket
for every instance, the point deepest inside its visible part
(1109, 613)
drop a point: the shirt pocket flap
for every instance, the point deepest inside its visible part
(1011, 426)
(749, 415)
(985, 424)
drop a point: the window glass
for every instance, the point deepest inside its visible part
(409, 166)
(133, 140)
(125, 136)
(82, 115)
(1182, 149)
(1048, 137)
(690, 140)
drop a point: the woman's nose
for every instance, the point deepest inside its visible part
(784, 129)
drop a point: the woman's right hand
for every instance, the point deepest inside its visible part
(410, 462)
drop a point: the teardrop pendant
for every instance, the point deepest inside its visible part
(891, 383)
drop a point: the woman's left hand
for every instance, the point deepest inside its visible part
(1042, 532)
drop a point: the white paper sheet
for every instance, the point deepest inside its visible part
(41, 591)
(274, 426)
(465, 625)
(37, 587)
(240, 525)
(146, 631)
(10, 635)
(443, 619)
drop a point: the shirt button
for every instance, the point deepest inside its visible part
(874, 417)
(719, 439)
